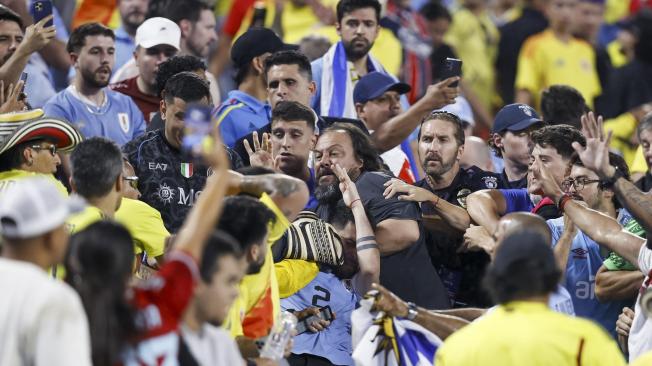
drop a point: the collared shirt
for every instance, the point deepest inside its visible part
(240, 115)
(117, 119)
(527, 333)
(124, 47)
(461, 273)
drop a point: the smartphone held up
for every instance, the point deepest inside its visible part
(197, 139)
(41, 9)
(452, 67)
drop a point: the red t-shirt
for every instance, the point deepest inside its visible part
(148, 104)
(160, 303)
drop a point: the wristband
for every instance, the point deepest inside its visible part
(565, 198)
(436, 202)
(354, 201)
(412, 311)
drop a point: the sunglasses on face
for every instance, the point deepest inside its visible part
(51, 148)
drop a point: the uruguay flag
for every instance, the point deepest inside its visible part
(383, 341)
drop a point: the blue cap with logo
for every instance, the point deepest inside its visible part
(515, 117)
(375, 84)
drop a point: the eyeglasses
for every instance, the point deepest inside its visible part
(133, 181)
(579, 183)
(51, 148)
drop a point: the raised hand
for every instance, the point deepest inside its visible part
(441, 94)
(261, 154)
(412, 193)
(549, 186)
(349, 190)
(595, 156)
(11, 103)
(37, 36)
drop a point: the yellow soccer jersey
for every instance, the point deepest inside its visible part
(145, 225)
(527, 333)
(545, 60)
(9, 177)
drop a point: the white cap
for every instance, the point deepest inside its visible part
(156, 31)
(462, 109)
(34, 206)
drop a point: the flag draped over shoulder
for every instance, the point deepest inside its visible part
(336, 84)
(384, 341)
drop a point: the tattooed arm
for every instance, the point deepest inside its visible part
(290, 194)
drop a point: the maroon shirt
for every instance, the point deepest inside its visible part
(148, 104)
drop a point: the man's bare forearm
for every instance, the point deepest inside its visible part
(485, 208)
(562, 249)
(457, 217)
(605, 231)
(442, 325)
(468, 314)
(617, 285)
(638, 203)
(397, 129)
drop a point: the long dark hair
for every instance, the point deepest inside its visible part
(99, 265)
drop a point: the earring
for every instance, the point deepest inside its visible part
(30, 162)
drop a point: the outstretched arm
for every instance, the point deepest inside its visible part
(455, 216)
(397, 129)
(486, 207)
(617, 285)
(598, 226)
(288, 193)
(441, 324)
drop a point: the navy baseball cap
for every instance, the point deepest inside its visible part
(375, 84)
(515, 117)
(255, 42)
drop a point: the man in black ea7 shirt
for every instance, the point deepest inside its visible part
(169, 179)
(405, 267)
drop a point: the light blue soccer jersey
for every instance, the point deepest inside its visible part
(584, 260)
(333, 343)
(118, 119)
(240, 115)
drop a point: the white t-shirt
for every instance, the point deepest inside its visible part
(42, 321)
(640, 334)
(212, 346)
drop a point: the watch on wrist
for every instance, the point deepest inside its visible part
(412, 311)
(610, 182)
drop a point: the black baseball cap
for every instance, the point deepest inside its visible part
(254, 42)
(515, 117)
(375, 84)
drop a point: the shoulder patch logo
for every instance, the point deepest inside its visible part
(461, 196)
(490, 182)
(123, 119)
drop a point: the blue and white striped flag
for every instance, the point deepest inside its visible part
(382, 341)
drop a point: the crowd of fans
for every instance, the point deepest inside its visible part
(504, 211)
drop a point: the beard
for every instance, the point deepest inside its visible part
(355, 50)
(94, 78)
(437, 171)
(327, 192)
(133, 19)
